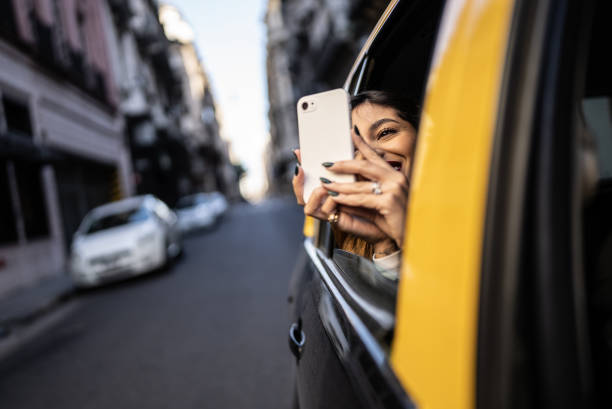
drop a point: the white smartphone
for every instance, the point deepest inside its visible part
(324, 127)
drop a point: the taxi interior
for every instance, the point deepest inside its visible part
(596, 123)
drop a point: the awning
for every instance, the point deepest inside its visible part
(21, 148)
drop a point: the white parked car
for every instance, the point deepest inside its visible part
(125, 238)
(200, 210)
(217, 202)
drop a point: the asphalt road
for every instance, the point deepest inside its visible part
(211, 332)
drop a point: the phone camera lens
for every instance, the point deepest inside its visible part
(304, 106)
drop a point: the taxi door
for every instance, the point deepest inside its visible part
(506, 271)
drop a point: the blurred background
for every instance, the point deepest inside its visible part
(140, 136)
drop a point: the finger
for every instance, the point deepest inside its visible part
(373, 217)
(381, 203)
(298, 185)
(328, 206)
(362, 212)
(312, 208)
(359, 226)
(367, 214)
(365, 168)
(396, 187)
(350, 188)
(367, 152)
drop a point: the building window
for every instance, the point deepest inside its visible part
(81, 26)
(32, 200)
(60, 36)
(16, 116)
(8, 225)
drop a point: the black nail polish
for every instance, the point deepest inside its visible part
(327, 164)
(332, 193)
(297, 169)
(325, 180)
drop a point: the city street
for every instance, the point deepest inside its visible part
(210, 332)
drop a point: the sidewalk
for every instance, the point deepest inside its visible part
(29, 303)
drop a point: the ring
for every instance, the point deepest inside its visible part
(376, 188)
(333, 218)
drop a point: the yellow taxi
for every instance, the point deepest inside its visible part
(504, 299)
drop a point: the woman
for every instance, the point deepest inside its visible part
(368, 214)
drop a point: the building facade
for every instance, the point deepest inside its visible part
(169, 111)
(150, 99)
(311, 45)
(62, 145)
(211, 165)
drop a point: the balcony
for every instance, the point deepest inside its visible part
(86, 77)
(14, 146)
(53, 53)
(44, 41)
(146, 29)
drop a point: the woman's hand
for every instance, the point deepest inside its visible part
(359, 201)
(321, 205)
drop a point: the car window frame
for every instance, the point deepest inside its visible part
(357, 81)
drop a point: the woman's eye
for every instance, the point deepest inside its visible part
(386, 132)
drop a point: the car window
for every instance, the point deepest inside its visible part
(357, 77)
(110, 221)
(162, 210)
(596, 110)
(597, 221)
(186, 202)
(398, 62)
(378, 285)
(204, 198)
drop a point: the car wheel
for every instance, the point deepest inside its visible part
(164, 252)
(173, 249)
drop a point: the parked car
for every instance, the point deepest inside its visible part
(218, 202)
(200, 210)
(504, 299)
(125, 238)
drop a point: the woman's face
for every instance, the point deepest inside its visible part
(389, 135)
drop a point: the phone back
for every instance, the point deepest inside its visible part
(324, 125)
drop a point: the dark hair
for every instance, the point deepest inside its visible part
(406, 106)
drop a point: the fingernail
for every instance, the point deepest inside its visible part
(332, 193)
(325, 180)
(296, 158)
(297, 169)
(327, 164)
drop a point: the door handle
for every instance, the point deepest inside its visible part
(297, 339)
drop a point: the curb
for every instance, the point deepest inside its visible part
(27, 310)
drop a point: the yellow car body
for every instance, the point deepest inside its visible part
(438, 296)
